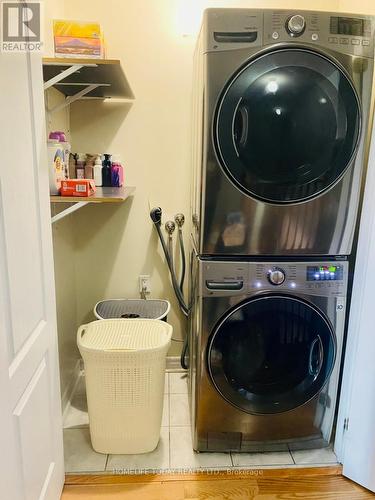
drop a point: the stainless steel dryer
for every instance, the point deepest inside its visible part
(266, 342)
(281, 111)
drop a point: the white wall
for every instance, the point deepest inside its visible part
(64, 247)
(361, 6)
(62, 232)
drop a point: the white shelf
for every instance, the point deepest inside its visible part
(85, 78)
(102, 195)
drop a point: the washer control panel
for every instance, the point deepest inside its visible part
(223, 278)
(326, 279)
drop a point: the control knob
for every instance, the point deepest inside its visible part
(276, 276)
(296, 25)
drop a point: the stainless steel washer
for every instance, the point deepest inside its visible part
(266, 342)
(281, 110)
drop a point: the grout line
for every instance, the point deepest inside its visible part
(169, 429)
(169, 408)
(169, 448)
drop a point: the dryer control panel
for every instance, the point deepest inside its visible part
(223, 278)
(350, 34)
(231, 29)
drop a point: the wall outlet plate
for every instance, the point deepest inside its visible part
(145, 283)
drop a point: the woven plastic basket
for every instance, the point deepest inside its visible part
(124, 370)
(139, 308)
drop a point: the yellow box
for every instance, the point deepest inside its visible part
(78, 39)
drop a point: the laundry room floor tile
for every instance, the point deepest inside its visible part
(178, 383)
(179, 410)
(79, 454)
(182, 455)
(145, 462)
(316, 457)
(262, 459)
(175, 449)
(165, 417)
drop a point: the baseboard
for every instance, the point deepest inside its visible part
(174, 364)
(69, 391)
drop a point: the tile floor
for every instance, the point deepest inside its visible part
(174, 451)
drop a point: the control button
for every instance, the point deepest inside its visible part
(275, 35)
(276, 276)
(344, 41)
(296, 25)
(315, 37)
(366, 43)
(355, 41)
(332, 39)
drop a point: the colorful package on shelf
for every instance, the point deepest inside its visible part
(78, 187)
(78, 39)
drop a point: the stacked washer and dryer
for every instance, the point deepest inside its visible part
(281, 116)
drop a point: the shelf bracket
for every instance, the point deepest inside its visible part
(61, 76)
(75, 97)
(69, 210)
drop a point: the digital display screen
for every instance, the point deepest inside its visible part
(325, 273)
(347, 26)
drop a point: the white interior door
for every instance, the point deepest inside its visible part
(355, 436)
(31, 460)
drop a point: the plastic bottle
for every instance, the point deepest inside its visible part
(60, 137)
(117, 172)
(80, 167)
(106, 171)
(98, 172)
(55, 165)
(73, 157)
(89, 166)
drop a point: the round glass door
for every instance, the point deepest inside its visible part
(271, 354)
(287, 126)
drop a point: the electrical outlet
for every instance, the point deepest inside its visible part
(145, 283)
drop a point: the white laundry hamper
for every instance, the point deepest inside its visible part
(125, 372)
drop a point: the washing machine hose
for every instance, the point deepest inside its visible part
(155, 215)
(183, 259)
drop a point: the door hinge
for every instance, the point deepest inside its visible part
(346, 424)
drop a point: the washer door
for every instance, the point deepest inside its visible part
(271, 354)
(287, 126)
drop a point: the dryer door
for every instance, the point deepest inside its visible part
(271, 354)
(287, 126)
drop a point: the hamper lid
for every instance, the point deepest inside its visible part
(124, 334)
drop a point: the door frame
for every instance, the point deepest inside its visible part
(354, 442)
